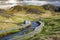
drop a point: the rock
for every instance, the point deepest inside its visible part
(27, 22)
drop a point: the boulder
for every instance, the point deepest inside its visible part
(27, 22)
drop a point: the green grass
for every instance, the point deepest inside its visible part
(51, 27)
(2, 34)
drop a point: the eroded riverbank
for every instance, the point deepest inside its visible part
(33, 27)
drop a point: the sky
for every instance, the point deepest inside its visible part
(5, 4)
(33, 0)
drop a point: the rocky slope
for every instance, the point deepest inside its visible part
(52, 7)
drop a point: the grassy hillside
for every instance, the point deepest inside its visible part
(18, 14)
(10, 18)
(51, 30)
(51, 8)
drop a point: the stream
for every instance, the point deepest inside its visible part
(33, 26)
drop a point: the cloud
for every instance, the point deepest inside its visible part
(3, 0)
(56, 3)
(35, 2)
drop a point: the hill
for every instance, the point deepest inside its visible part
(28, 8)
(46, 13)
(51, 7)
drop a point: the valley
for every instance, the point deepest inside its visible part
(12, 18)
